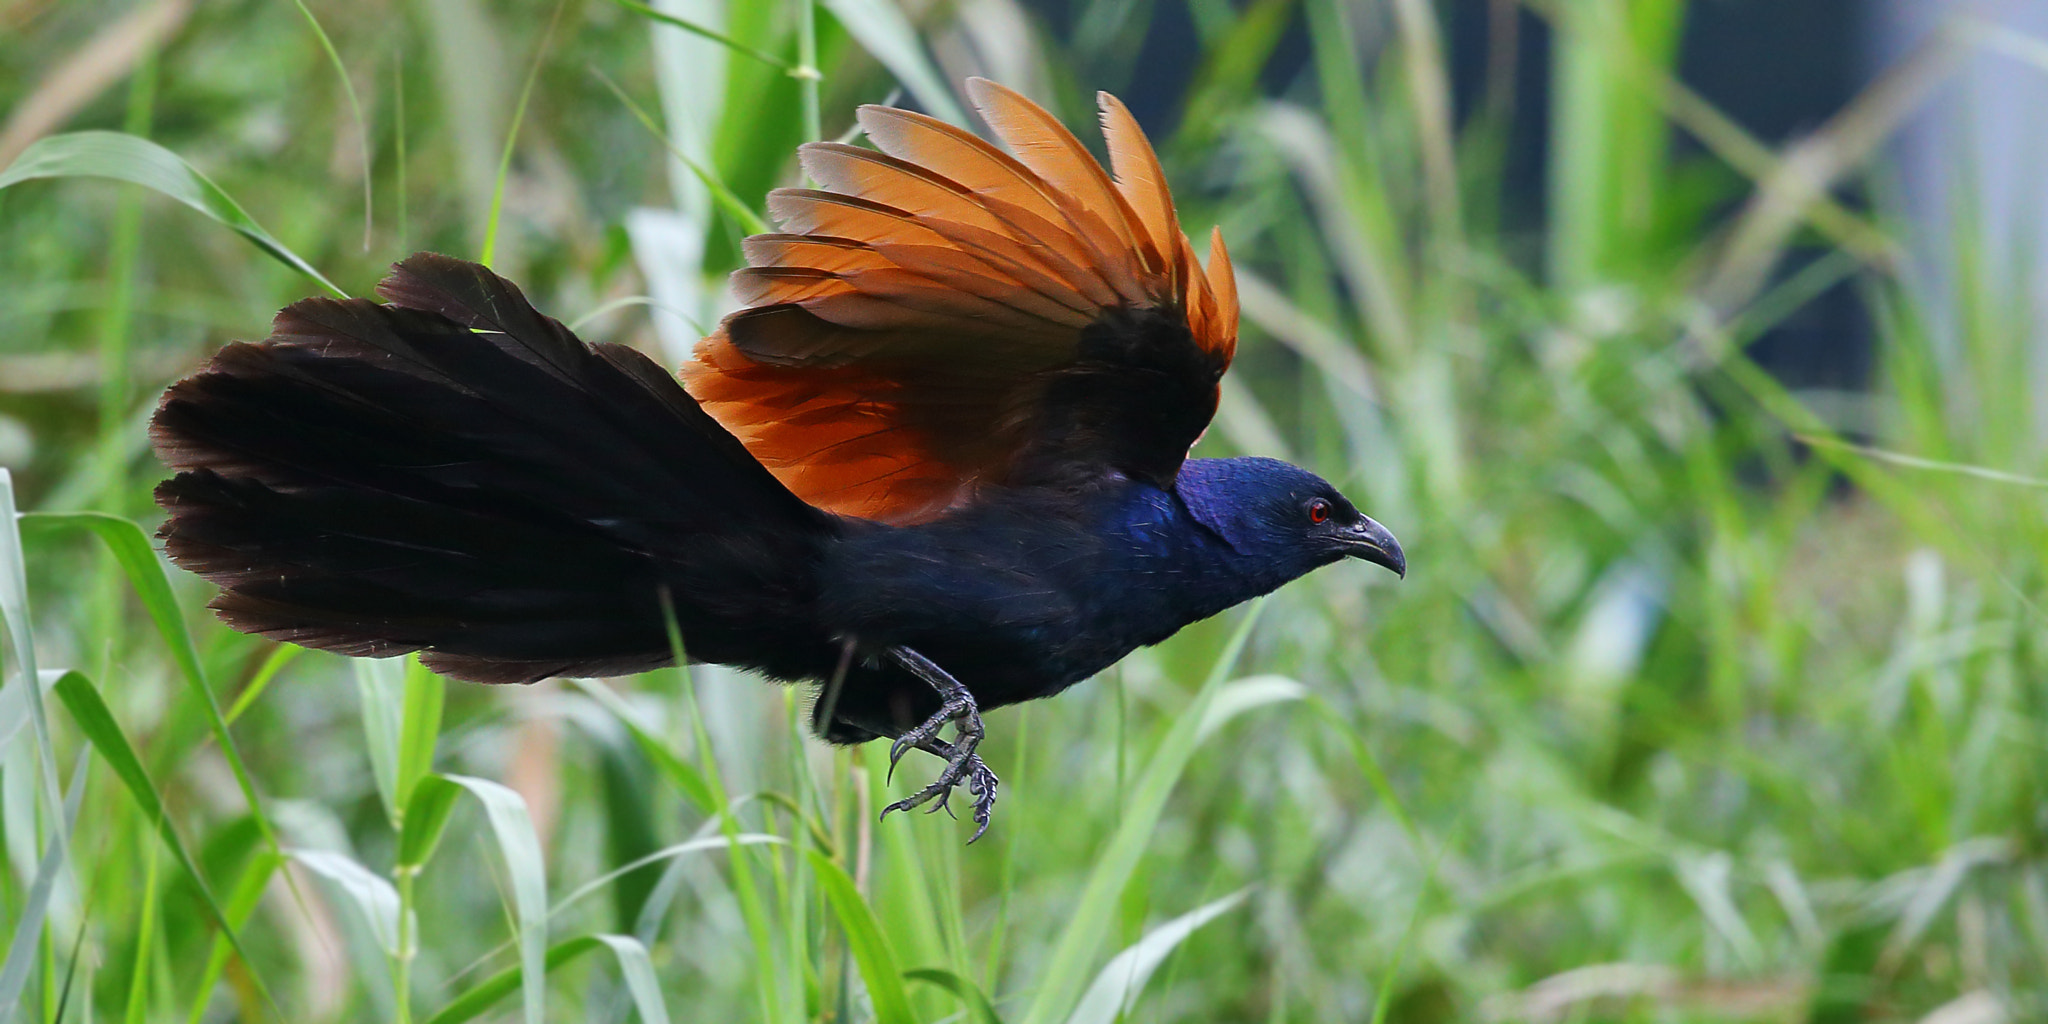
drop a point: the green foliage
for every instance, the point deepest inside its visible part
(1705, 700)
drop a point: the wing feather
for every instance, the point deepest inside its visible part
(1142, 183)
(991, 173)
(1045, 146)
(941, 317)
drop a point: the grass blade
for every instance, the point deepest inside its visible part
(884, 31)
(704, 33)
(14, 609)
(90, 714)
(638, 971)
(138, 161)
(401, 704)
(472, 1004)
(743, 215)
(979, 1008)
(280, 656)
(137, 1011)
(19, 814)
(241, 903)
(21, 947)
(687, 779)
(419, 729)
(667, 853)
(355, 110)
(380, 683)
(512, 826)
(1244, 695)
(130, 548)
(372, 895)
(540, 56)
(1098, 902)
(1109, 999)
(871, 951)
(634, 965)
(433, 800)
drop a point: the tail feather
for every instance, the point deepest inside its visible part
(458, 474)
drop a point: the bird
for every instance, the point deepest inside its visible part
(938, 464)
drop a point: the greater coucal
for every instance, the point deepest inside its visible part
(937, 465)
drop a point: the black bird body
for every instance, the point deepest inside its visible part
(1034, 590)
(937, 466)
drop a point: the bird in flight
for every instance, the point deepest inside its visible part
(937, 465)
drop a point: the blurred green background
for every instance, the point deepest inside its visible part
(1716, 691)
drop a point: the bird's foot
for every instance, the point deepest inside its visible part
(956, 705)
(962, 765)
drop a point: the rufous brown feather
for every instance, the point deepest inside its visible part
(913, 328)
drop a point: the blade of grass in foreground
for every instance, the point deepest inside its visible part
(513, 828)
(1067, 969)
(14, 609)
(21, 948)
(471, 1004)
(680, 773)
(401, 703)
(131, 549)
(633, 964)
(871, 950)
(138, 161)
(371, 894)
(59, 812)
(380, 684)
(93, 719)
(979, 1009)
(241, 903)
(1109, 999)
(667, 853)
(638, 971)
(752, 908)
(279, 657)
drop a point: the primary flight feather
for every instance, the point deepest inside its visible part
(936, 466)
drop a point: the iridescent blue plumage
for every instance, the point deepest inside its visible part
(1028, 592)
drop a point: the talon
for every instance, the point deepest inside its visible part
(962, 764)
(982, 783)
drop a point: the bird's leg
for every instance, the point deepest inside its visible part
(980, 781)
(956, 705)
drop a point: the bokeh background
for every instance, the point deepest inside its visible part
(1692, 349)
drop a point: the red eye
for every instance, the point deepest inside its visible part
(1319, 511)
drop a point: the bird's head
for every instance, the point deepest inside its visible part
(1283, 515)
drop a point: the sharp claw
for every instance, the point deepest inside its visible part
(957, 706)
(982, 783)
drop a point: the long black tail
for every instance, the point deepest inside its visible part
(455, 473)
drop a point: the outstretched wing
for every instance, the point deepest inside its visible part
(943, 315)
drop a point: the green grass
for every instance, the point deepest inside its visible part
(1691, 709)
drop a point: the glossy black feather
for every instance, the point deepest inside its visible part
(1139, 395)
(376, 479)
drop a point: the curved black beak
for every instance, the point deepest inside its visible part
(1372, 542)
